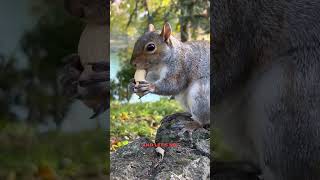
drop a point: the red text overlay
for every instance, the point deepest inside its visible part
(160, 145)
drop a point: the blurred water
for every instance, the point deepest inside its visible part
(114, 66)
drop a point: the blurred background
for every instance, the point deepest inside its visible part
(42, 133)
(132, 117)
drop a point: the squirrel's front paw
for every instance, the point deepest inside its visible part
(69, 75)
(131, 85)
(144, 88)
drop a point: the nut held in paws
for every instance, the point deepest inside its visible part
(139, 75)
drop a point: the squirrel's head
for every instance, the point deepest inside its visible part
(152, 48)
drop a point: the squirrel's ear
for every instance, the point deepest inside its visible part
(151, 28)
(166, 31)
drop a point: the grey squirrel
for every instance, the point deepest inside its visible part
(175, 68)
(85, 75)
(266, 84)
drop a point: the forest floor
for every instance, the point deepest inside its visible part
(26, 154)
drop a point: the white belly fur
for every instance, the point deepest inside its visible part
(187, 97)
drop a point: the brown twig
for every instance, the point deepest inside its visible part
(134, 13)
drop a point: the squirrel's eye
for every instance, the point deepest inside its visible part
(151, 47)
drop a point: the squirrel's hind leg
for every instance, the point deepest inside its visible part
(198, 103)
(198, 100)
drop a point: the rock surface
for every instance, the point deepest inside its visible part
(188, 158)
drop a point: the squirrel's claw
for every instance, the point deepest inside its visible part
(143, 88)
(131, 86)
(133, 89)
(69, 74)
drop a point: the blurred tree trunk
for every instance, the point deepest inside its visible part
(186, 13)
(150, 18)
(184, 24)
(184, 29)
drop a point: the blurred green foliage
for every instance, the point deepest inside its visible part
(31, 81)
(118, 90)
(69, 155)
(133, 16)
(54, 36)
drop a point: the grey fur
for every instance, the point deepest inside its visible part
(180, 68)
(266, 83)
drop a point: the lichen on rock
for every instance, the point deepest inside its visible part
(187, 155)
